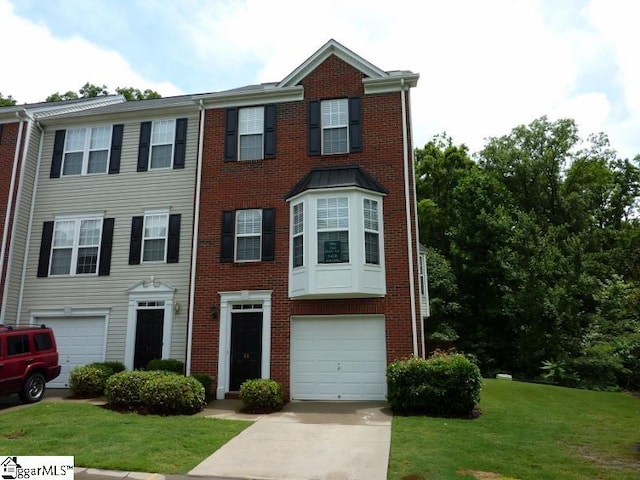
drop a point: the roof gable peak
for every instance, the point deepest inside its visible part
(332, 47)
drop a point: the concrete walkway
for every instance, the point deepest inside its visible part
(305, 441)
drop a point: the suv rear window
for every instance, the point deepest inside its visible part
(42, 341)
(17, 344)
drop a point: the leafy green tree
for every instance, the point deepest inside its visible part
(7, 101)
(90, 90)
(57, 97)
(131, 93)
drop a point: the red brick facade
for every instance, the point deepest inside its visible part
(264, 183)
(8, 145)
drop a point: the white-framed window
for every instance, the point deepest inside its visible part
(297, 232)
(86, 150)
(332, 223)
(371, 231)
(75, 247)
(248, 235)
(335, 126)
(250, 133)
(162, 138)
(154, 237)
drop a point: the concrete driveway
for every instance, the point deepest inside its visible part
(305, 441)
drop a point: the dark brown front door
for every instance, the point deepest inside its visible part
(149, 329)
(246, 348)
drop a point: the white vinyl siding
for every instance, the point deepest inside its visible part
(335, 126)
(86, 150)
(250, 133)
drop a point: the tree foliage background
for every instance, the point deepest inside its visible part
(534, 254)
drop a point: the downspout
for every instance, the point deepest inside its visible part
(23, 168)
(7, 216)
(412, 285)
(426, 273)
(32, 208)
(194, 246)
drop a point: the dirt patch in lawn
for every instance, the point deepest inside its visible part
(484, 475)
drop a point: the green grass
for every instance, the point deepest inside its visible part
(526, 431)
(101, 438)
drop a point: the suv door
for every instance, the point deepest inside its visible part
(15, 357)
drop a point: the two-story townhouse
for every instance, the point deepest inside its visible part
(307, 253)
(20, 138)
(108, 256)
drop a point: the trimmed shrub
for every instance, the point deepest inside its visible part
(206, 381)
(261, 395)
(111, 367)
(166, 365)
(445, 384)
(172, 395)
(123, 389)
(88, 381)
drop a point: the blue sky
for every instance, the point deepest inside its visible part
(486, 66)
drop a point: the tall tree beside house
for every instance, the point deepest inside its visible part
(90, 90)
(7, 101)
(542, 235)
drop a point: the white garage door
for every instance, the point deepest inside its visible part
(338, 358)
(80, 341)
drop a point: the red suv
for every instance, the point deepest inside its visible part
(28, 359)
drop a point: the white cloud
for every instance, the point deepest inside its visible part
(42, 64)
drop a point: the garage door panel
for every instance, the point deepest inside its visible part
(80, 341)
(338, 358)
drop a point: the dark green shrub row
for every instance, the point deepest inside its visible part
(167, 365)
(155, 391)
(445, 384)
(88, 380)
(261, 395)
(207, 383)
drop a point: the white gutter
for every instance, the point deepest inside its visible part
(194, 245)
(12, 245)
(32, 208)
(412, 285)
(7, 216)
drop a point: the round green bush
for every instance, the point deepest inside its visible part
(167, 365)
(123, 389)
(88, 381)
(206, 381)
(445, 384)
(261, 395)
(111, 367)
(172, 395)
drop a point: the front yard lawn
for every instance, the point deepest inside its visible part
(527, 432)
(101, 438)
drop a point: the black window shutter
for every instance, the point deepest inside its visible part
(269, 131)
(355, 129)
(116, 148)
(135, 245)
(268, 233)
(180, 146)
(106, 243)
(173, 246)
(144, 146)
(314, 128)
(58, 151)
(231, 135)
(45, 249)
(227, 240)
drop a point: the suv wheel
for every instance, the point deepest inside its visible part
(33, 389)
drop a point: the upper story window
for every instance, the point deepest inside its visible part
(155, 237)
(371, 232)
(332, 218)
(86, 151)
(76, 246)
(162, 144)
(248, 235)
(335, 126)
(250, 133)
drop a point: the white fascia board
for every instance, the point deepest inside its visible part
(392, 83)
(251, 97)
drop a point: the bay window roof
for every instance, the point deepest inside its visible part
(336, 177)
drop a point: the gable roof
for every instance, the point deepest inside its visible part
(336, 177)
(47, 109)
